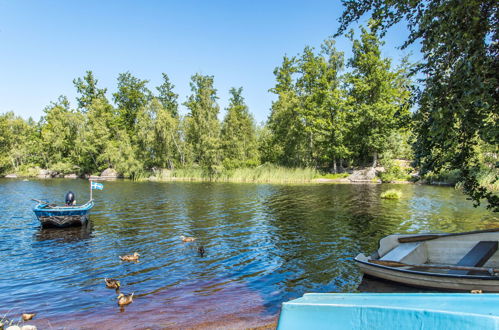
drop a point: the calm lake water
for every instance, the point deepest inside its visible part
(264, 244)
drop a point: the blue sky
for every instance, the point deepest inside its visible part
(44, 45)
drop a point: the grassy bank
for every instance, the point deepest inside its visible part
(264, 174)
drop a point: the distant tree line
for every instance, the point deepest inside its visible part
(324, 117)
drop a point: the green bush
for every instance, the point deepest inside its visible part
(394, 172)
(391, 194)
(334, 176)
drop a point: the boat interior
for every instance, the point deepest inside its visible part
(473, 250)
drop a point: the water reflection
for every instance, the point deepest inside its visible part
(65, 235)
(264, 244)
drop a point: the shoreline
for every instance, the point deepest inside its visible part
(227, 180)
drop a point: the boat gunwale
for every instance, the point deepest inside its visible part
(417, 272)
(84, 207)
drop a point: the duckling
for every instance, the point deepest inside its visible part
(187, 239)
(124, 299)
(201, 251)
(134, 257)
(112, 283)
(27, 316)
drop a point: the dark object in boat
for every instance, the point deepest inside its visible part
(50, 215)
(201, 251)
(70, 198)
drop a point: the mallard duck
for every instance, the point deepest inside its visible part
(27, 316)
(112, 283)
(134, 257)
(201, 251)
(187, 239)
(124, 299)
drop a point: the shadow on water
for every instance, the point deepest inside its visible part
(263, 244)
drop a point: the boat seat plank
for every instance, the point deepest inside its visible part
(477, 256)
(401, 251)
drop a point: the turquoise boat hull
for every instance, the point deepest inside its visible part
(63, 216)
(391, 311)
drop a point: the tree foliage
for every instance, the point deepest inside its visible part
(203, 127)
(238, 139)
(458, 106)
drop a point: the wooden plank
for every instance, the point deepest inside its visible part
(477, 257)
(401, 251)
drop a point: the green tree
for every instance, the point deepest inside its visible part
(167, 96)
(59, 131)
(98, 133)
(458, 107)
(19, 143)
(379, 95)
(287, 138)
(132, 95)
(239, 146)
(87, 88)
(322, 105)
(203, 127)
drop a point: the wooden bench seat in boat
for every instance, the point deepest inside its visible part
(401, 251)
(477, 256)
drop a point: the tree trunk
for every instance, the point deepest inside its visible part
(375, 159)
(335, 170)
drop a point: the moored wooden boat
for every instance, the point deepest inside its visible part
(391, 311)
(62, 216)
(459, 261)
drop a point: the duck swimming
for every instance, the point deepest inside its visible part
(27, 316)
(134, 257)
(201, 251)
(187, 239)
(124, 299)
(112, 283)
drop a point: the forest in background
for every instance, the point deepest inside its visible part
(324, 117)
(330, 113)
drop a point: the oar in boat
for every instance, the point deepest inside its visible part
(390, 263)
(427, 237)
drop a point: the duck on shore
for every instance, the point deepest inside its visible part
(124, 299)
(187, 239)
(134, 257)
(112, 283)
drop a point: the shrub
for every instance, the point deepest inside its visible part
(391, 194)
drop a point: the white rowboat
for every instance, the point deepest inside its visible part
(459, 261)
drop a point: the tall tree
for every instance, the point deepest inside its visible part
(131, 96)
(459, 102)
(167, 96)
(287, 138)
(203, 130)
(88, 90)
(380, 102)
(239, 146)
(59, 131)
